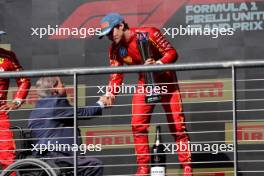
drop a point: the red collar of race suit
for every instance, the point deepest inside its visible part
(131, 35)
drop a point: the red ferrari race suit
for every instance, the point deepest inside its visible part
(163, 53)
(8, 62)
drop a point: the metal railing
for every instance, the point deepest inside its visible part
(133, 69)
(75, 72)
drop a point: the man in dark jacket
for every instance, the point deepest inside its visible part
(51, 123)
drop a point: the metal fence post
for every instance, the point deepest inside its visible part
(75, 87)
(234, 119)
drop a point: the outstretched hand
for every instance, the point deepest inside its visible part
(107, 100)
(9, 107)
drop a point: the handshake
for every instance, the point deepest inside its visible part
(107, 100)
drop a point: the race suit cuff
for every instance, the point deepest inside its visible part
(17, 102)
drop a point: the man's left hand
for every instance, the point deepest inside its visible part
(9, 107)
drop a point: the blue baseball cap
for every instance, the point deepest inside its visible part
(109, 22)
(2, 32)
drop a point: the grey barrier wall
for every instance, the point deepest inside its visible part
(18, 17)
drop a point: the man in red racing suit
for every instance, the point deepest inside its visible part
(8, 62)
(124, 51)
